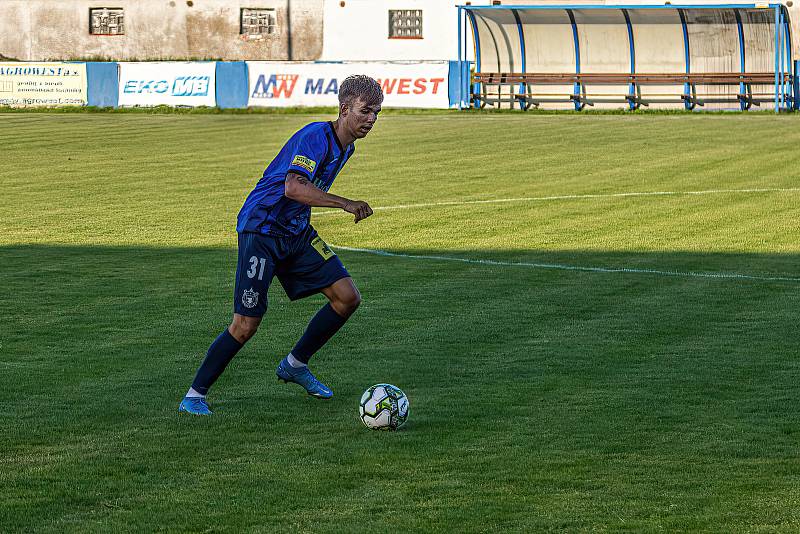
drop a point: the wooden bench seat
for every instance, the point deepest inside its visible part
(708, 78)
(587, 93)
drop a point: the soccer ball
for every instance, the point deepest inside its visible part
(383, 407)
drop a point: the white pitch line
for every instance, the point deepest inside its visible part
(562, 267)
(575, 197)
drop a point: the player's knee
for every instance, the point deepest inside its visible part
(249, 331)
(356, 301)
(243, 332)
(351, 301)
(243, 328)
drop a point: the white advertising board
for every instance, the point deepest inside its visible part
(169, 84)
(409, 85)
(43, 84)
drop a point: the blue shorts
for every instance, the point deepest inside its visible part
(304, 265)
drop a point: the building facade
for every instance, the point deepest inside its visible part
(145, 30)
(273, 30)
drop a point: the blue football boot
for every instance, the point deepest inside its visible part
(303, 376)
(194, 406)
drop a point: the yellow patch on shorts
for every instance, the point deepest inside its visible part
(304, 162)
(323, 248)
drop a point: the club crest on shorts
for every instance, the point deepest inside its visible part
(249, 298)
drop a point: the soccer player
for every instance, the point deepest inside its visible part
(276, 239)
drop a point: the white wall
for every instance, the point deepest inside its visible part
(359, 31)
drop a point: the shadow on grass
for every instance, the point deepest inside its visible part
(516, 375)
(116, 317)
(43, 282)
(142, 295)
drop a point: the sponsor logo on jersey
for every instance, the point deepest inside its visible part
(304, 162)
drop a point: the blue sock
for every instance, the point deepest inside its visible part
(321, 328)
(219, 355)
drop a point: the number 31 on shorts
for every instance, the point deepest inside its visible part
(256, 266)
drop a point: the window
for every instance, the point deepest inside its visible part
(257, 22)
(405, 24)
(106, 21)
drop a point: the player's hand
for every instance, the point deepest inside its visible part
(359, 208)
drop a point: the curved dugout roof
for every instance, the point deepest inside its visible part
(631, 39)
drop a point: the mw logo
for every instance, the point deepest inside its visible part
(276, 86)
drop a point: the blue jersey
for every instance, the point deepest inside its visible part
(314, 152)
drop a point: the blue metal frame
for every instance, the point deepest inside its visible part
(786, 59)
(522, 86)
(576, 88)
(552, 7)
(787, 92)
(474, 88)
(743, 105)
(632, 88)
(687, 88)
(795, 85)
(783, 78)
(789, 63)
(777, 56)
(464, 82)
(460, 64)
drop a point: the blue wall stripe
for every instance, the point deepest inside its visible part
(102, 83)
(453, 93)
(458, 94)
(232, 84)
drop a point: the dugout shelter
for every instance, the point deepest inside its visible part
(725, 56)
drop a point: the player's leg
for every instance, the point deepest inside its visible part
(343, 300)
(315, 268)
(253, 274)
(222, 351)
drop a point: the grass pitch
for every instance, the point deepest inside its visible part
(541, 398)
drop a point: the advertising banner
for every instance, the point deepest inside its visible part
(43, 84)
(169, 84)
(410, 85)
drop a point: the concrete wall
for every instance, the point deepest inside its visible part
(40, 30)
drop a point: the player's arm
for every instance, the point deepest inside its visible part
(300, 189)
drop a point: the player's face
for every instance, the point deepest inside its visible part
(361, 117)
